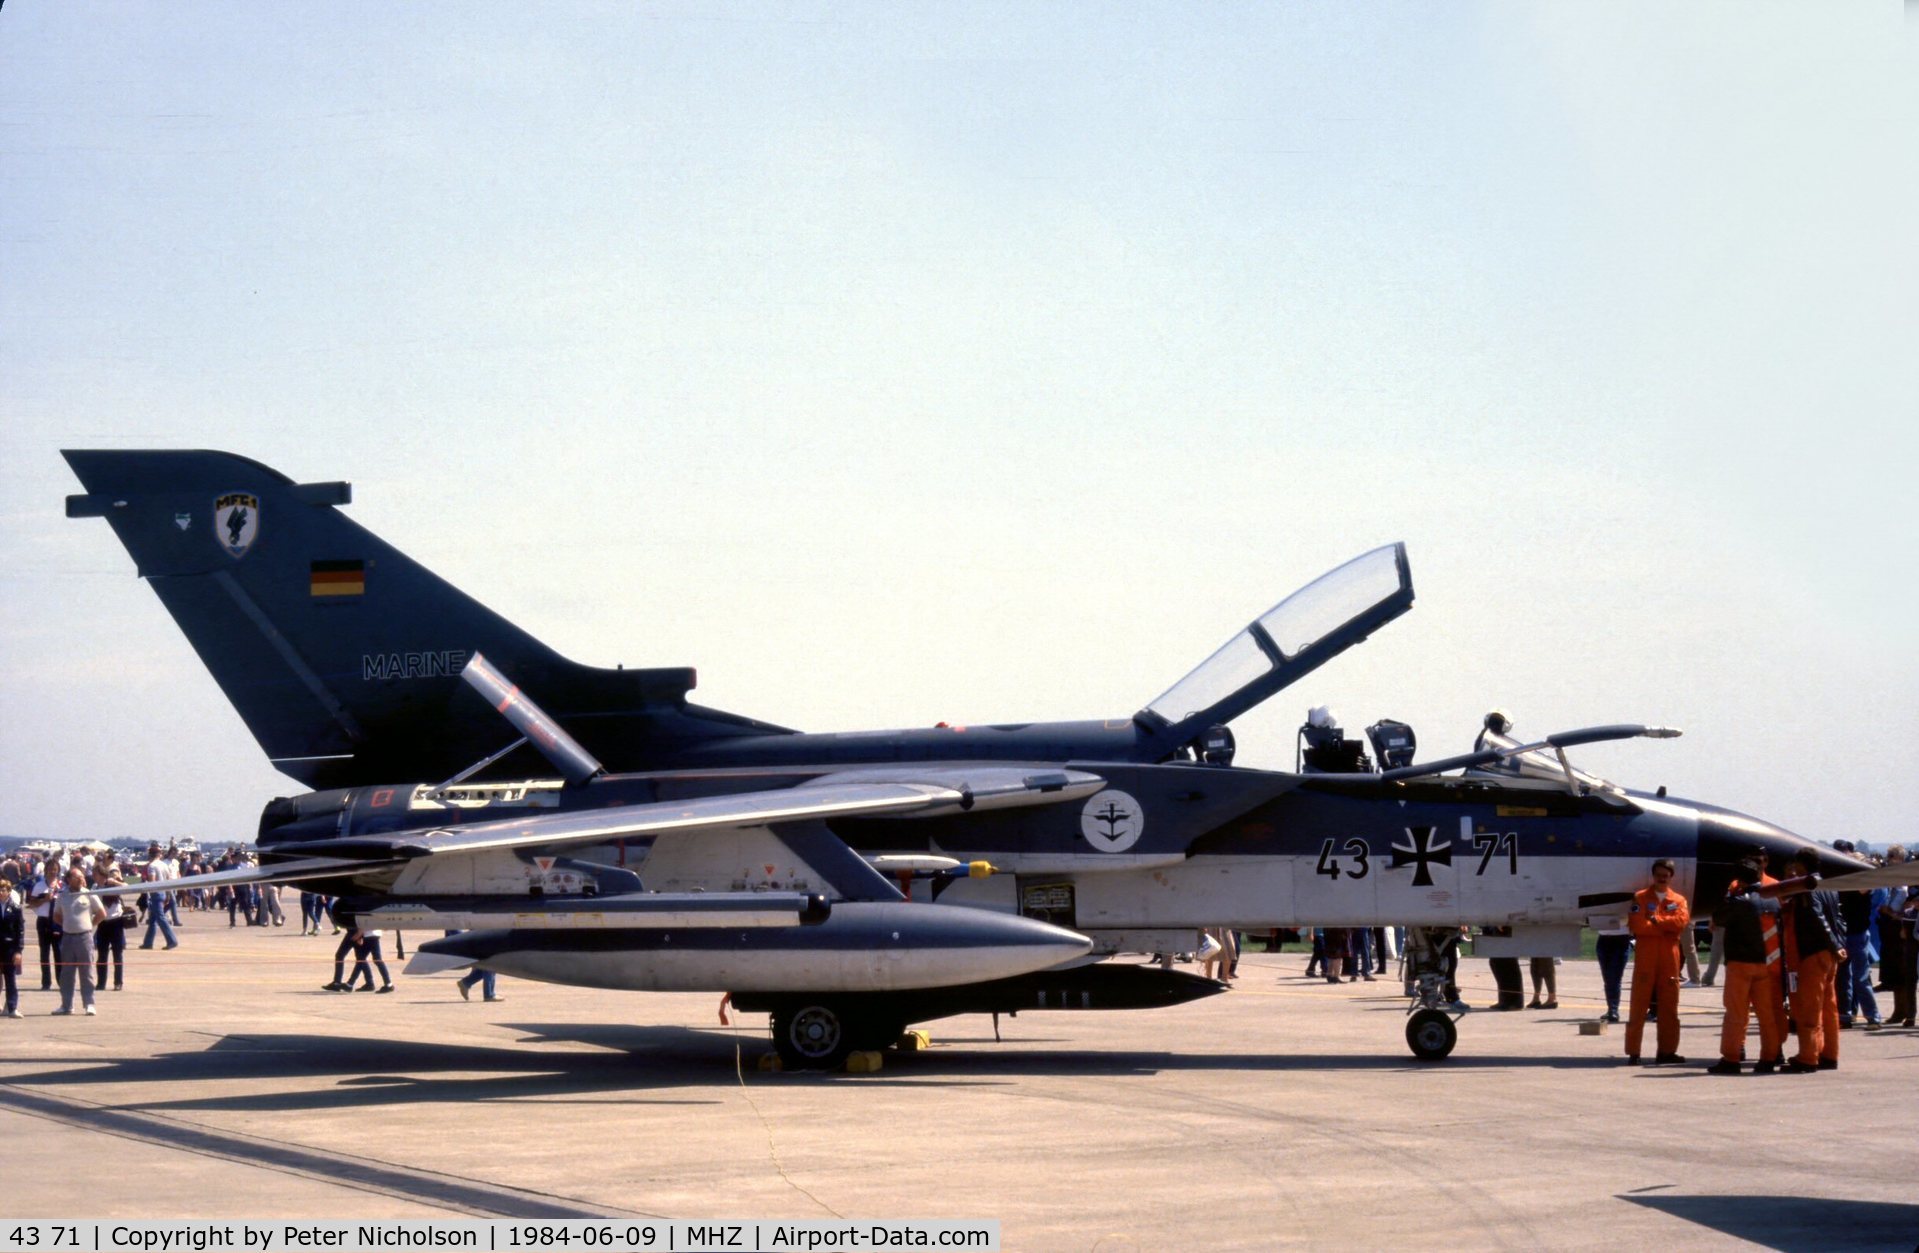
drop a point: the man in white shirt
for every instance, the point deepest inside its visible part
(169, 871)
(79, 912)
(158, 872)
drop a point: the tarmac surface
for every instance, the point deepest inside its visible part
(1287, 1113)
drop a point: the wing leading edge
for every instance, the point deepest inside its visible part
(834, 796)
(799, 811)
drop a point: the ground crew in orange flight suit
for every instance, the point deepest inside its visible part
(1761, 858)
(1813, 953)
(1749, 927)
(1657, 917)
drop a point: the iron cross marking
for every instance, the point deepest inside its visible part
(1422, 854)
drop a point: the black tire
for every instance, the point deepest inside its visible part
(1431, 1034)
(878, 1034)
(812, 1035)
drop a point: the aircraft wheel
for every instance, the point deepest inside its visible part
(1431, 1034)
(877, 1033)
(812, 1035)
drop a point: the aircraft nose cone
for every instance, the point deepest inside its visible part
(1727, 837)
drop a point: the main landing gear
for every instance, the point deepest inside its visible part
(819, 1034)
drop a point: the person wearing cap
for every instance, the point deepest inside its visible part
(1657, 917)
(1754, 961)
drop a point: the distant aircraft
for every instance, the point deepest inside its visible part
(848, 884)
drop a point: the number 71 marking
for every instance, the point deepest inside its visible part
(1490, 843)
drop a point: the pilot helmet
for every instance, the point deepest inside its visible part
(1499, 722)
(1321, 716)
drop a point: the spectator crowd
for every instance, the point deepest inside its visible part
(54, 901)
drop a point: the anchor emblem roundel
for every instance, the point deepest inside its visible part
(1112, 821)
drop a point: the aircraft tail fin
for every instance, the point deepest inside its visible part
(340, 653)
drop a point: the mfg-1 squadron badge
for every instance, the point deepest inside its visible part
(236, 522)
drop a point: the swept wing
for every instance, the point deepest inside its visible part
(865, 794)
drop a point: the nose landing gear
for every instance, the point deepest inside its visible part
(1431, 1034)
(1431, 956)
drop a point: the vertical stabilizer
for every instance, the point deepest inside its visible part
(341, 654)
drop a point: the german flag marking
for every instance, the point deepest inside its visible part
(338, 578)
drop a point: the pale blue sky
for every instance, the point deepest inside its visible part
(987, 362)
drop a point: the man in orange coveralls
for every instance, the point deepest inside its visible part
(1813, 952)
(1657, 918)
(1749, 926)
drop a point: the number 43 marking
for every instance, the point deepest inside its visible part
(1329, 864)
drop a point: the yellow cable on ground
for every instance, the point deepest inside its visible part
(772, 1148)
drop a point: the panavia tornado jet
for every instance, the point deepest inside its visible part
(597, 828)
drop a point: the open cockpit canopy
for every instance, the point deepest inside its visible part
(1294, 637)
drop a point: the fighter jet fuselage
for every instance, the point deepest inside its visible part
(848, 882)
